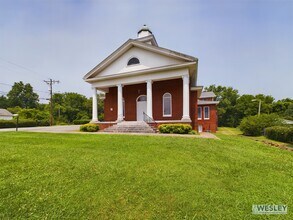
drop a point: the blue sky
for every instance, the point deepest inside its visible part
(246, 44)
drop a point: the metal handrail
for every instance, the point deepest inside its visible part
(148, 119)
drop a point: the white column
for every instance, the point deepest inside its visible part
(119, 103)
(95, 106)
(186, 116)
(149, 99)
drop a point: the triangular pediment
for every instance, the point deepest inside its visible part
(149, 57)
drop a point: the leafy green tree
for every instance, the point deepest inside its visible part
(227, 114)
(266, 103)
(101, 98)
(42, 106)
(289, 112)
(22, 95)
(281, 106)
(233, 107)
(34, 114)
(245, 106)
(255, 125)
(14, 110)
(3, 102)
(71, 106)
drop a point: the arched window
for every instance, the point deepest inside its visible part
(167, 105)
(133, 61)
(142, 98)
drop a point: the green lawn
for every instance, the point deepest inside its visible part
(236, 131)
(85, 176)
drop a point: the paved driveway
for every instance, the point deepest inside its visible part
(52, 129)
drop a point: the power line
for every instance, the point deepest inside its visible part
(3, 92)
(33, 89)
(5, 84)
(20, 66)
(51, 82)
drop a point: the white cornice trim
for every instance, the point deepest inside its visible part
(197, 88)
(136, 79)
(140, 72)
(164, 51)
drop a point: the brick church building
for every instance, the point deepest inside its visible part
(145, 82)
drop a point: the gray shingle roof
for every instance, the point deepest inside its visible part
(207, 95)
(4, 112)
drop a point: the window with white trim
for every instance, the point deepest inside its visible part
(206, 112)
(167, 105)
(199, 113)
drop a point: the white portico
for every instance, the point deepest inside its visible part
(140, 70)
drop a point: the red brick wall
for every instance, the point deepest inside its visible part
(193, 109)
(110, 105)
(212, 123)
(105, 125)
(174, 87)
(131, 92)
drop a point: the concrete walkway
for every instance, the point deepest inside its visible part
(75, 129)
(52, 129)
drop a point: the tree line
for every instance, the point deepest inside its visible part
(70, 106)
(233, 107)
(67, 107)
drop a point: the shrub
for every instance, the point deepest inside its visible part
(62, 123)
(255, 125)
(21, 123)
(7, 123)
(81, 121)
(192, 132)
(175, 128)
(43, 123)
(89, 128)
(280, 133)
(101, 117)
(27, 123)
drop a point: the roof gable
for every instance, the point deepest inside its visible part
(147, 60)
(150, 57)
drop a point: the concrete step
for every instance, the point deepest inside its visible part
(130, 127)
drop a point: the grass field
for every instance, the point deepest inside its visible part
(80, 176)
(237, 132)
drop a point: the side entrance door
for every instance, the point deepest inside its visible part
(141, 106)
(199, 128)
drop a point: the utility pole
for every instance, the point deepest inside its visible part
(50, 82)
(259, 105)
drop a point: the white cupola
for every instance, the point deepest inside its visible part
(144, 32)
